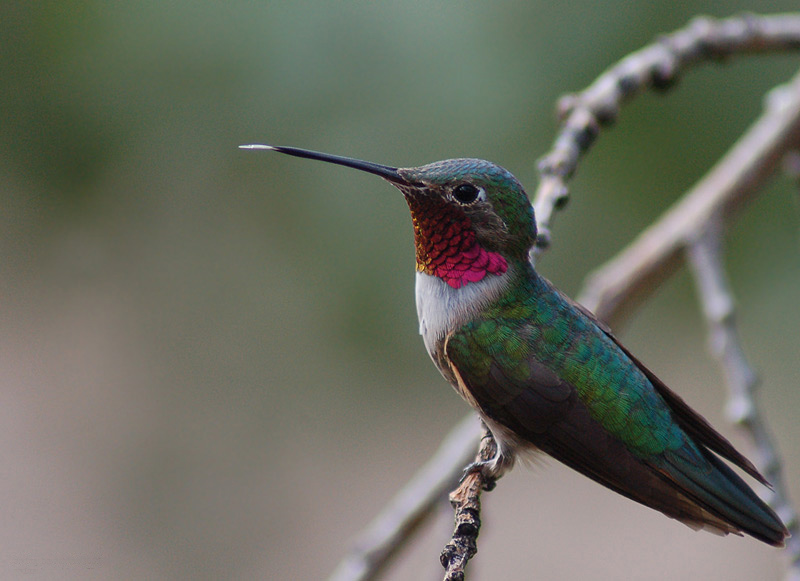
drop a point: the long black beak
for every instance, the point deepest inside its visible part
(384, 171)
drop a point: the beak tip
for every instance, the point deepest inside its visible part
(258, 146)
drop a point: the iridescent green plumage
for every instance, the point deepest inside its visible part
(533, 322)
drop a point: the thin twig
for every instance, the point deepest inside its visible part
(657, 66)
(639, 269)
(715, 294)
(466, 501)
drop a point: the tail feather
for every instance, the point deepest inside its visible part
(719, 490)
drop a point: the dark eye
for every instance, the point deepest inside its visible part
(466, 193)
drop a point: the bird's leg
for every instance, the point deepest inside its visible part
(493, 460)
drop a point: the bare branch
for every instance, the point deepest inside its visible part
(716, 297)
(656, 66)
(639, 269)
(466, 500)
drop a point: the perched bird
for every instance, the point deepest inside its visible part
(543, 372)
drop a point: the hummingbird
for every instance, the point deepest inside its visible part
(542, 372)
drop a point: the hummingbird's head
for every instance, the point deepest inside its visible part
(471, 217)
(458, 198)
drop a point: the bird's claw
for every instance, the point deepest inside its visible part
(482, 467)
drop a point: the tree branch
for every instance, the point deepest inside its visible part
(466, 500)
(656, 66)
(639, 269)
(716, 297)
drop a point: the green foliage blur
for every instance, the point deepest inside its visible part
(210, 360)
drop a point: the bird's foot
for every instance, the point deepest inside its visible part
(490, 470)
(484, 468)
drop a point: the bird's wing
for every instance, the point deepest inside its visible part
(692, 422)
(546, 411)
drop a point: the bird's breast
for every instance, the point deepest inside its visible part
(442, 308)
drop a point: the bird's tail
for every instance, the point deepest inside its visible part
(708, 481)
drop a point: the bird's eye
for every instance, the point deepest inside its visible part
(466, 193)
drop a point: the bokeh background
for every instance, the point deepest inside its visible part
(209, 360)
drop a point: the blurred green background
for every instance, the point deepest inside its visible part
(210, 361)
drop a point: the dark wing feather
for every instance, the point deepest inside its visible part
(547, 412)
(689, 420)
